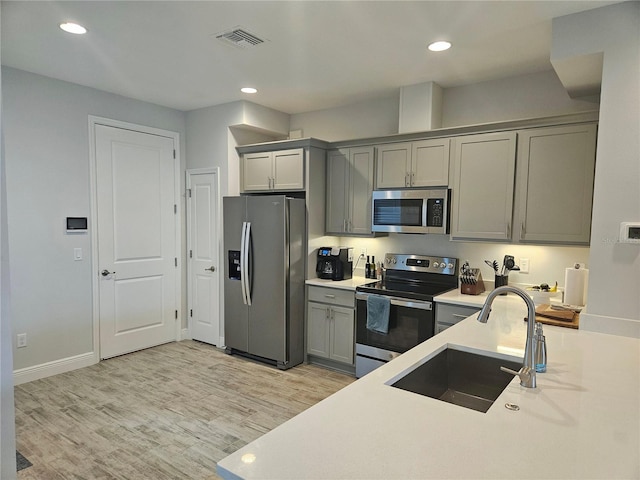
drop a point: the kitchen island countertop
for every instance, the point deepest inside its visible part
(582, 421)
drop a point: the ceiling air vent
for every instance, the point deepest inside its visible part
(239, 37)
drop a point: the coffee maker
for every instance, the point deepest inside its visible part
(334, 263)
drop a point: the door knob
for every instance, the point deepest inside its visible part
(106, 273)
(210, 269)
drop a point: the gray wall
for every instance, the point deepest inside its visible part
(7, 415)
(47, 162)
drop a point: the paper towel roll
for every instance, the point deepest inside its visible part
(576, 281)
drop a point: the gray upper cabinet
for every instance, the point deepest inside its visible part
(349, 187)
(423, 163)
(483, 186)
(281, 170)
(555, 184)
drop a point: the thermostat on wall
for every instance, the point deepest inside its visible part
(76, 224)
(630, 232)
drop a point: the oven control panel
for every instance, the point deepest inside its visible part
(421, 263)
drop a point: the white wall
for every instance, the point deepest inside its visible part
(614, 283)
(47, 161)
(547, 264)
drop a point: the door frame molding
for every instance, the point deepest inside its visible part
(198, 171)
(93, 223)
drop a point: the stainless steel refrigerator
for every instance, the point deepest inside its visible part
(264, 245)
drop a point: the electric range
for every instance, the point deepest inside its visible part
(409, 284)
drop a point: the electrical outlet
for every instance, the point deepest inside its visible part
(524, 265)
(22, 340)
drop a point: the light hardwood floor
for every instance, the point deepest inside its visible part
(169, 412)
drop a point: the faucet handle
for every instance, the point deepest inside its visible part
(508, 370)
(527, 376)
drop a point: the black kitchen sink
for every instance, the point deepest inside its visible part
(466, 379)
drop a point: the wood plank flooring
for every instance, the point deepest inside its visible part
(169, 412)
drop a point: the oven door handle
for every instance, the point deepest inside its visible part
(401, 302)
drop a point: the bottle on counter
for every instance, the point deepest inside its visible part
(541, 350)
(367, 272)
(372, 267)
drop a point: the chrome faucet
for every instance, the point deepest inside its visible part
(527, 373)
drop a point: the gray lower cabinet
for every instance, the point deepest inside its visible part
(448, 315)
(331, 327)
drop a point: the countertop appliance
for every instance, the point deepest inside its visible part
(334, 263)
(411, 211)
(410, 282)
(264, 239)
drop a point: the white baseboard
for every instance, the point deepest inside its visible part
(29, 374)
(185, 334)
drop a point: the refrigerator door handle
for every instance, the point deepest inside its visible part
(247, 254)
(243, 263)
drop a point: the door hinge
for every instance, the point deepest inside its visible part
(176, 261)
(174, 153)
(176, 314)
(190, 253)
(175, 209)
(191, 313)
(189, 192)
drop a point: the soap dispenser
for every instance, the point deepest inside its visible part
(541, 350)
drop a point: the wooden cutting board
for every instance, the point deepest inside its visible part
(560, 318)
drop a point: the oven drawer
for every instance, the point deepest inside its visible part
(448, 315)
(332, 296)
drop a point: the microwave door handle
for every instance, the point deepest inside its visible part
(425, 213)
(247, 255)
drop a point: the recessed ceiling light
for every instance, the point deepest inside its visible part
(248, 90)
(73, 28)
(439, 46)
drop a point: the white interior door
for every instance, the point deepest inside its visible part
(137, 251)
(204, 266)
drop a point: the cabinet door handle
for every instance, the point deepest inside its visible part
(522, 230)
(330, 296)
(406, 179)
(413, 176)
(459, 316)
(326, 314)
(508, 230)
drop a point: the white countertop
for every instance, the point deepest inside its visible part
(349, 284)
(582, 421)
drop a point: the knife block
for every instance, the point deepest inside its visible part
(476, 287)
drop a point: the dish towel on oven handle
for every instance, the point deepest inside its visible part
(378, 313)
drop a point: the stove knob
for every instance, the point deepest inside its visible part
(436, 264)
(450, 265)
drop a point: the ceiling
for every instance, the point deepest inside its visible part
(316, 54)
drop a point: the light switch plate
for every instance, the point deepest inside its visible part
(77, 254)
(524, 265)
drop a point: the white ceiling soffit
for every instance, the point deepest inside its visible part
(319, 54)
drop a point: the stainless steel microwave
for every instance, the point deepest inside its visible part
(411, 211)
